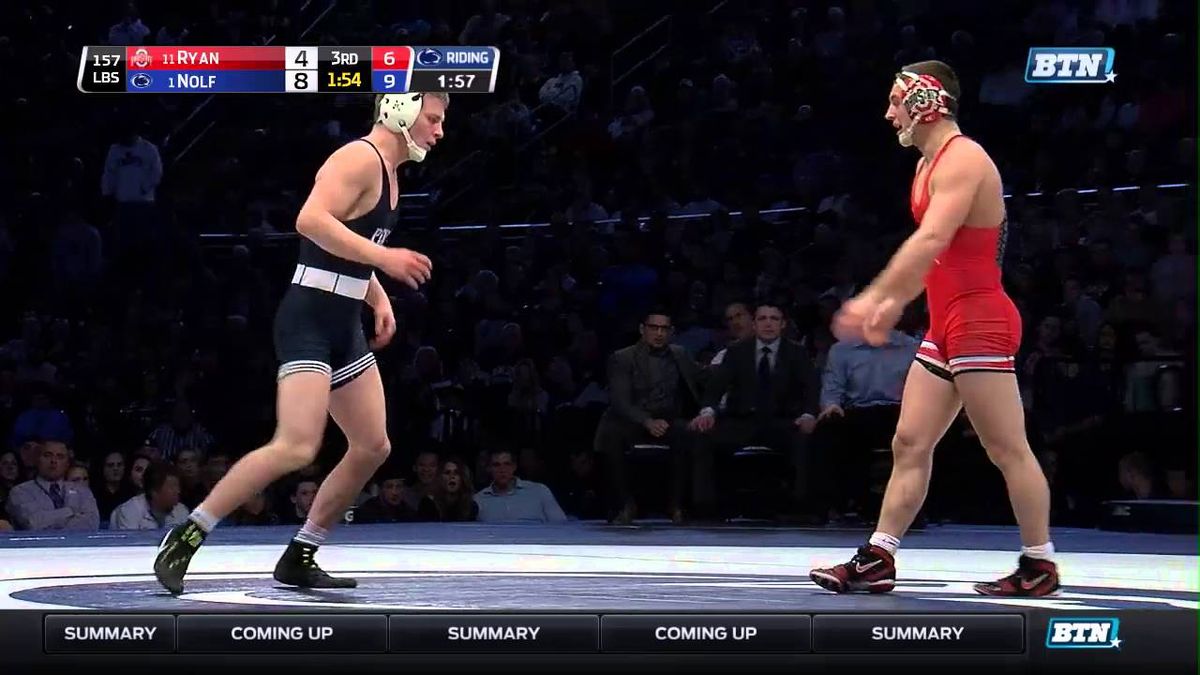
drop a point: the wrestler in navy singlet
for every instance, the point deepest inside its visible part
(318, 326)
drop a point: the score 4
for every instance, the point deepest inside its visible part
(301, 64)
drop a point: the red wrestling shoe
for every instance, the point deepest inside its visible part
(1034, 578)
(871, 570)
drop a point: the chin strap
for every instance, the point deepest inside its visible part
(415, 152)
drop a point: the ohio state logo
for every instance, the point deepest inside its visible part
(923, 103)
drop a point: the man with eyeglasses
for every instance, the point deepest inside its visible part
(651, 385)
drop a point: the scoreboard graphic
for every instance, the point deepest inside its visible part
(278, 70)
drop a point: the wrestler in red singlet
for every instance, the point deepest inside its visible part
(973, 325)
(966, 359)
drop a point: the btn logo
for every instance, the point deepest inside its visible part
(1090, 633)
(1057, 65)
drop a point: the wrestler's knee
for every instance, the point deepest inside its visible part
(294, 451)
(1007, 453)
(374, 451)
(911, 446)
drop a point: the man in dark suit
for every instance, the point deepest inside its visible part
(770, 390)
(652, 386)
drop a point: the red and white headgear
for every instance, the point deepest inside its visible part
(924, 99)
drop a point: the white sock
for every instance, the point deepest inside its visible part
(203, 520)
(1043, 552)
(885, 541)
(312, 534)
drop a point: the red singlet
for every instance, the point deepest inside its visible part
(973, 324)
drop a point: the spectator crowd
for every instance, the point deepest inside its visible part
(658, 343)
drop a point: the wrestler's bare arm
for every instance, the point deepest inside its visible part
(340, 183)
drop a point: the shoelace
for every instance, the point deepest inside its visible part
(193, 536)
(1017, 577)
(863, 556)
(307, 561)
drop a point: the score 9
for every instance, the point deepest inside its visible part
(389, 81)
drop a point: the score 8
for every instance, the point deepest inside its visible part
(300, 81)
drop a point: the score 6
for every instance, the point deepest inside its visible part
(391, 58)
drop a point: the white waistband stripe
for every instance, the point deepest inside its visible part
(331, 282)
(961, 360)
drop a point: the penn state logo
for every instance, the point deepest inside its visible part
(380, 236)
(141, 80)
(429, 57)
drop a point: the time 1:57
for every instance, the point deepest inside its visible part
(460, 81)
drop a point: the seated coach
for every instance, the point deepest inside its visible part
(651, 385)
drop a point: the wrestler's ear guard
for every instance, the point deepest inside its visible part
(925, 100)
(397, 113)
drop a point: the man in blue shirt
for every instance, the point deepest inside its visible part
(510, 499)
(860, 406)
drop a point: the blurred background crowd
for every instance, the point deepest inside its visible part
(648, 185)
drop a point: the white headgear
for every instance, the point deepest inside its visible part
(398, 112)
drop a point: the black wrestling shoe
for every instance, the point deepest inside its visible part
(298, 568)
(175, 552)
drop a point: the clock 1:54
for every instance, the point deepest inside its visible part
(344, 80)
